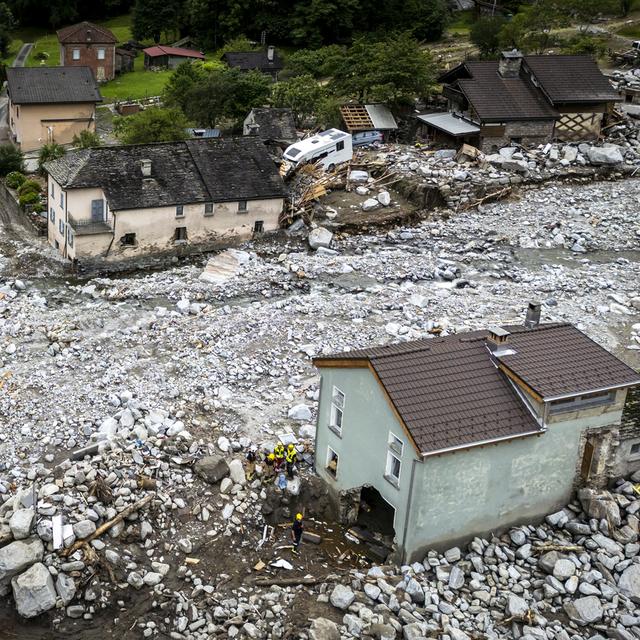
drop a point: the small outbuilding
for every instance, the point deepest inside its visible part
(169, 57)
(359, 118)
(266, 60)
(271, 124)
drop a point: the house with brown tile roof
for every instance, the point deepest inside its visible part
(522, 99)
(89, 45)
(434, 441)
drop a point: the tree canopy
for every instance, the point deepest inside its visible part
(152, 125)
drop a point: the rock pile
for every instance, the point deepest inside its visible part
(575, 576)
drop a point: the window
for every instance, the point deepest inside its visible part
(208, 208)
(128, 240)
(635, 450)
(337, 409)
(395, 444)
(100, 54)
(578, 403)
(97, 210)
(62, 199)
(76, 54)
(340, 145)
(258, 226)
(393, 469)
(53, 190)
(180, 234)
(180, 211)
(61, 227)
(242, 206)
(52, 215)
(332, 462)
(70, 236)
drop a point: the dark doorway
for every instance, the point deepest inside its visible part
(587, 461)
(375, 513)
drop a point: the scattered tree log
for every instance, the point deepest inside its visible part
(495, 195)
(282, 582)
(550, 546)
(136, 506)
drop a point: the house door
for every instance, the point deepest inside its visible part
(587, 461)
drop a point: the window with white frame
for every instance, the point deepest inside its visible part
(332, 462)
(393, 469)
(53, 190)
(634, 451)
(337, 410)
(179, 211)
(242, 206)
(395, 444)
(208, 208)
(52, 215)
(61, 227)
(62, 199)
(76, 54)
(100, 54)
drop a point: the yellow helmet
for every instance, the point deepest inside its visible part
(280, 444)
(298, 516)
(271, 456)
(290, 446)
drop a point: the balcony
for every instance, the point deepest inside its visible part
(88, 227)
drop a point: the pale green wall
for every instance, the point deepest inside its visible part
(363, 446)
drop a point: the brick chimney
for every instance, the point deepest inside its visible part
(498, 336)
(510, 63)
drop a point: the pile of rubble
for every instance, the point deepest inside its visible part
(575, 576)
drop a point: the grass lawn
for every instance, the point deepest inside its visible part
(462, 23)
(136, 84)
(630, 31)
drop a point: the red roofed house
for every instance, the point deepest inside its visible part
(169, 57)
(88, 45)
(432, 442)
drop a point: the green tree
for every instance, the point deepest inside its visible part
(152, 18)
(50, 151)
(301, 94)
(86, 139)
(485, 34)
(625, 7)
(151, 125)
(7, 24)
(319, 63)
(11, 159)
(184, 77)
(318, 22)
(426, 19)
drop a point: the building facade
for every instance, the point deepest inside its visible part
(50, 104)
(88, 45)
(119, 203)
(482, 449)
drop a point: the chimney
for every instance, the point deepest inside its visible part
(271, 50)
(253, 129)
(88, 35)
(497, 339)
(532, 319)
(509, 64)
(145, 165)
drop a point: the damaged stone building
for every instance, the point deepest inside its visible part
(520, 99)
(116, 203)
(441, 439)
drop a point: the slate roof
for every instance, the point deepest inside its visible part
(47, 85)
(449, 393)
(85, 32)
(567, 79)
(499, 99)
(161, 50)
(275, 123)
(247, 60)
(191, 171)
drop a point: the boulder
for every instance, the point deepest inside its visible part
(415, 591)
(236, 472)
(629, 583)
(323, 629)
(341, 597)
(516, 606)
(373, 591)
(300, 412)
(609, 155)
(212, 469)
(563, 569)
(456, 578)
(16, 557)
(66, 587)
(370, 204)
(356, 176)
(320, 237)
(21, 523)
(83, 529)
(34, 591)
(584, 611)
(600, 506)
(384, 198)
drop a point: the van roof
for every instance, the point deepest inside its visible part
(318, 140)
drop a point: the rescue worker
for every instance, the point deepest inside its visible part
(296, 532)
(290, 459)
(251, 465)
(278, 452)
(269, 464)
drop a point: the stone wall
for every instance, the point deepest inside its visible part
(627, 462)
(527, 133)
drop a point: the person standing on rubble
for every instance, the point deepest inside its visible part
(297, 529)
(278, 452)
(251, 465)
(290, 459)
(269, 463)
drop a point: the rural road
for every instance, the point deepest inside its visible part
(22, 54)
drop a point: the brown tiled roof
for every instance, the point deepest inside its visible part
(449, 392)
(558, 360)
(566, 79)
(495, 98)
(86, 32)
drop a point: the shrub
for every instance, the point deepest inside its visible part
(11, 159)
(29, 198)
(29, 186)
(86, 139)
(50, 151)
(38, 207)
(15, 179)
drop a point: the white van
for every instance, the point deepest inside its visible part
(328, 148)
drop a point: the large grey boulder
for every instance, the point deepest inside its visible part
(212, 469)
(17, 557)
(34, 591)
(323, 629)
(236, 472)
(320, 237)
(84, 529)
(547, 561)
(456, 578)
(563, 569)
(300, 412)
(609, 155)
(66, 587)
(341, 597)
(21, 523)
(600, 506)
(415, 591)
(584, 611)
(516, 606)
(629, 583)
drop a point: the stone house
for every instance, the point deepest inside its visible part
(524, 100)
(117, 203)
(447, 438)
(88, 45)
(50, 104)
